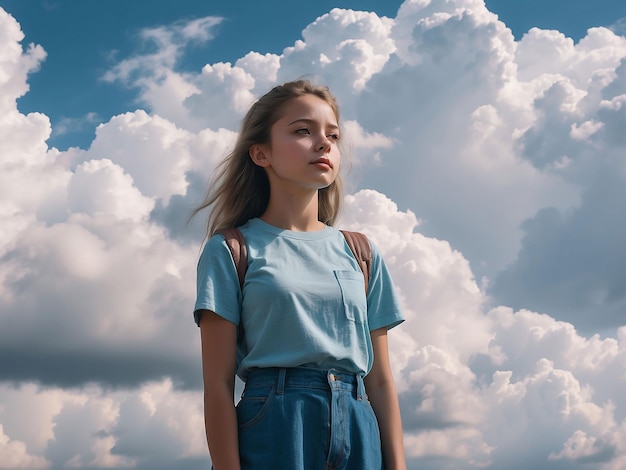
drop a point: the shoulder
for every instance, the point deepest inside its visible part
(215, 242)
(214, 248)
(253, 229)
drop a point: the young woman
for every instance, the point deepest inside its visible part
(309, 343)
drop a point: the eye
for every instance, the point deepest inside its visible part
(302, 130)
(334, 136)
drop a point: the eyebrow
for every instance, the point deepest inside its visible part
(312, 121)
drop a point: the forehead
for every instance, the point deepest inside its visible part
(308, 107)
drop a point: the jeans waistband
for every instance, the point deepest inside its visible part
(304, 377)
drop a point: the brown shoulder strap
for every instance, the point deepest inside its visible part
(362, 250)
(238, 250)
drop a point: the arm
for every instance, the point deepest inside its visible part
(219, 358)
(382, 394)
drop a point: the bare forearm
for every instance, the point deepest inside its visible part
(221, 427)
(384, 400)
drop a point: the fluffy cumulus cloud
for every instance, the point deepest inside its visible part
(494, 186)
(577, 91)
(146, 427)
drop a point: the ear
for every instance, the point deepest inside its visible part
(258, 154)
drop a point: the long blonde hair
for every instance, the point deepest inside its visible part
(240, 189)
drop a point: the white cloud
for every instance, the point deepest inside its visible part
(14, 455)
(101, 187)
(91, 427)
(15, 63)
(169, 42)
(481, 152)
(23, 150)
(151, 149)
(159, 422)
(576, 130)
(152, 72)
(262, 67)
(224, 96)
(447, 86)
(550, 384)
(344, 47)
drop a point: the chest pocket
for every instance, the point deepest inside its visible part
(352, 288)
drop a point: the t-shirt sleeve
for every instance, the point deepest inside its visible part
(383, 306)
(217, 284)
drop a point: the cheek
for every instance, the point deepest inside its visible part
(298, 147)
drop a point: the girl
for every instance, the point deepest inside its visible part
(300, 331)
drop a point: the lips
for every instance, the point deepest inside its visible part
(323, 161)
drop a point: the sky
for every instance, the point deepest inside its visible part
(489, 167)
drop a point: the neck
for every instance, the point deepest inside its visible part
(293, 212)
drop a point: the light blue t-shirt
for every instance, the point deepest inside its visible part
(303, 301)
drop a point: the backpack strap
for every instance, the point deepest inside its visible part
(358, 243)
(362, 251)
(238, 250)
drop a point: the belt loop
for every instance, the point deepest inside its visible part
(280, 387)
(360, 388)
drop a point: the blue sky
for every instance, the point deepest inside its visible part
(488, 169)
(100, 32)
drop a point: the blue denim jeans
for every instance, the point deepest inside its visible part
(307, 419)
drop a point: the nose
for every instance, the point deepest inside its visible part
(325, 144)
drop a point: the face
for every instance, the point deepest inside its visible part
(302, 152)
